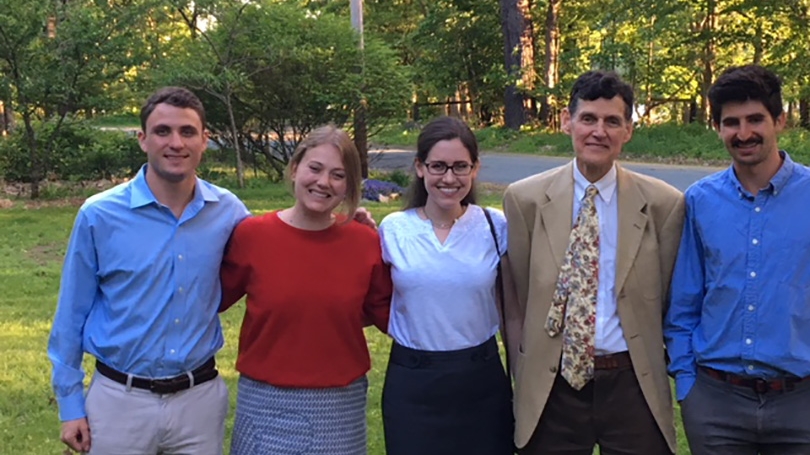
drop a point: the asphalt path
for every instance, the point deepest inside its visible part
(505, 168)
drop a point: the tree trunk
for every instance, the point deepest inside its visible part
(361, 136)
(708, 59)
(240, 168)
(758, 43)
(33, 154)
(512, 24)
(551, 66)
(527, 56)
(804, 113)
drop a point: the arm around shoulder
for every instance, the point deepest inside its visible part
(235, 271)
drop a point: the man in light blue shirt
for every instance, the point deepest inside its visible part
(140, 291)
(738, 326)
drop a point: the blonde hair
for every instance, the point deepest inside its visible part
(349, 156)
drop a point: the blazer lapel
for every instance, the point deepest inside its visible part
(632, 223)
(556, 212)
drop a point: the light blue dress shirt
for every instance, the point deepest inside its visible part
(140, 288)
(741, 284)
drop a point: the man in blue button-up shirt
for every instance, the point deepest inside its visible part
(738, 327)
(140, 291)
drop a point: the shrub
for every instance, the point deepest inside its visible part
(80, 152)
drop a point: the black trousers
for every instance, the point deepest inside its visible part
(447, 402)
(610, 411)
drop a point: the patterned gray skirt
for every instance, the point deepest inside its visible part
(283, 421)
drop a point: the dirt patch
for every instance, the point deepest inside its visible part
(63, 202)
(44, 254)
(53, 193)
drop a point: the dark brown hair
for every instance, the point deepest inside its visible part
(173, 96)
(440, 129)
(743, 83)
(597, 84)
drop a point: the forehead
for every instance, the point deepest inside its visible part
(601, 107)
(174, 117)
(449, 150)
(742, 109)
(326, 154)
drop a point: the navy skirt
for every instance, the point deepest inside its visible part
(447, 402)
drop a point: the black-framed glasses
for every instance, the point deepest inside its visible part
(461, 168)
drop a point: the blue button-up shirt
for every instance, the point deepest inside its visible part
(140, 288)
(741, 284)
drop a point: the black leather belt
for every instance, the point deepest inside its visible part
(202, 374)
(759, 385)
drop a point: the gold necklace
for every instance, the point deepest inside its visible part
(440, 225)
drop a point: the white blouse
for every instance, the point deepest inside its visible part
(444, 294)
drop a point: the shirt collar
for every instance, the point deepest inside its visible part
(777, 182)
(606, 185)
(142, 195)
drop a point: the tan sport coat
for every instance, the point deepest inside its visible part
(539, 211)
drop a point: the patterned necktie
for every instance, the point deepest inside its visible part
(573, 308)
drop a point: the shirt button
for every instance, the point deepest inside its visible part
(180, 257)
(755, 242)
(753, 274)
(748, 341)
(177, 321)
(171, 352)
(758, 209)
(751, 307)
(553, 369)
(750, 367)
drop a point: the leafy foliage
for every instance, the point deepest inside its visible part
(288, 71)
(79, 152)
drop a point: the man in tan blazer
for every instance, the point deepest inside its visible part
(617, 395)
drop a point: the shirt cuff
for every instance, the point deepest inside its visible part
(71, 407)
(683, 384)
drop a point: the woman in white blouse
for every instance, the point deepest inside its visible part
(445, 389)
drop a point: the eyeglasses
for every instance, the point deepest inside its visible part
(440, 167)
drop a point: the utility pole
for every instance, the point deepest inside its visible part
(360, 128)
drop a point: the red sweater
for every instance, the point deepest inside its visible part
(309, 294)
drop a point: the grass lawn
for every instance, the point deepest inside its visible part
(34, 241)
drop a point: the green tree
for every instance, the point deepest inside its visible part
(289, 70)
(63, 58)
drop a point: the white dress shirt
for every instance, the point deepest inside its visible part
(444, 293)
(609, 336)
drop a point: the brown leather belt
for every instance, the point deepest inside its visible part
(612, 361)
(759, 385)
(176, 384)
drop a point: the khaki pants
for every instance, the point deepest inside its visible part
(139, 422)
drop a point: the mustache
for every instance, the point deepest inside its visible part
(753, 141)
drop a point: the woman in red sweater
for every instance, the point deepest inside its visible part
(313, 280)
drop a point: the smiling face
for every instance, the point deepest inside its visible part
(598, 130)
(446, 191)
(749, 132)
(174, 141)
(319, 180)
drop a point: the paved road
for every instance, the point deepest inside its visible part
(506, 168)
